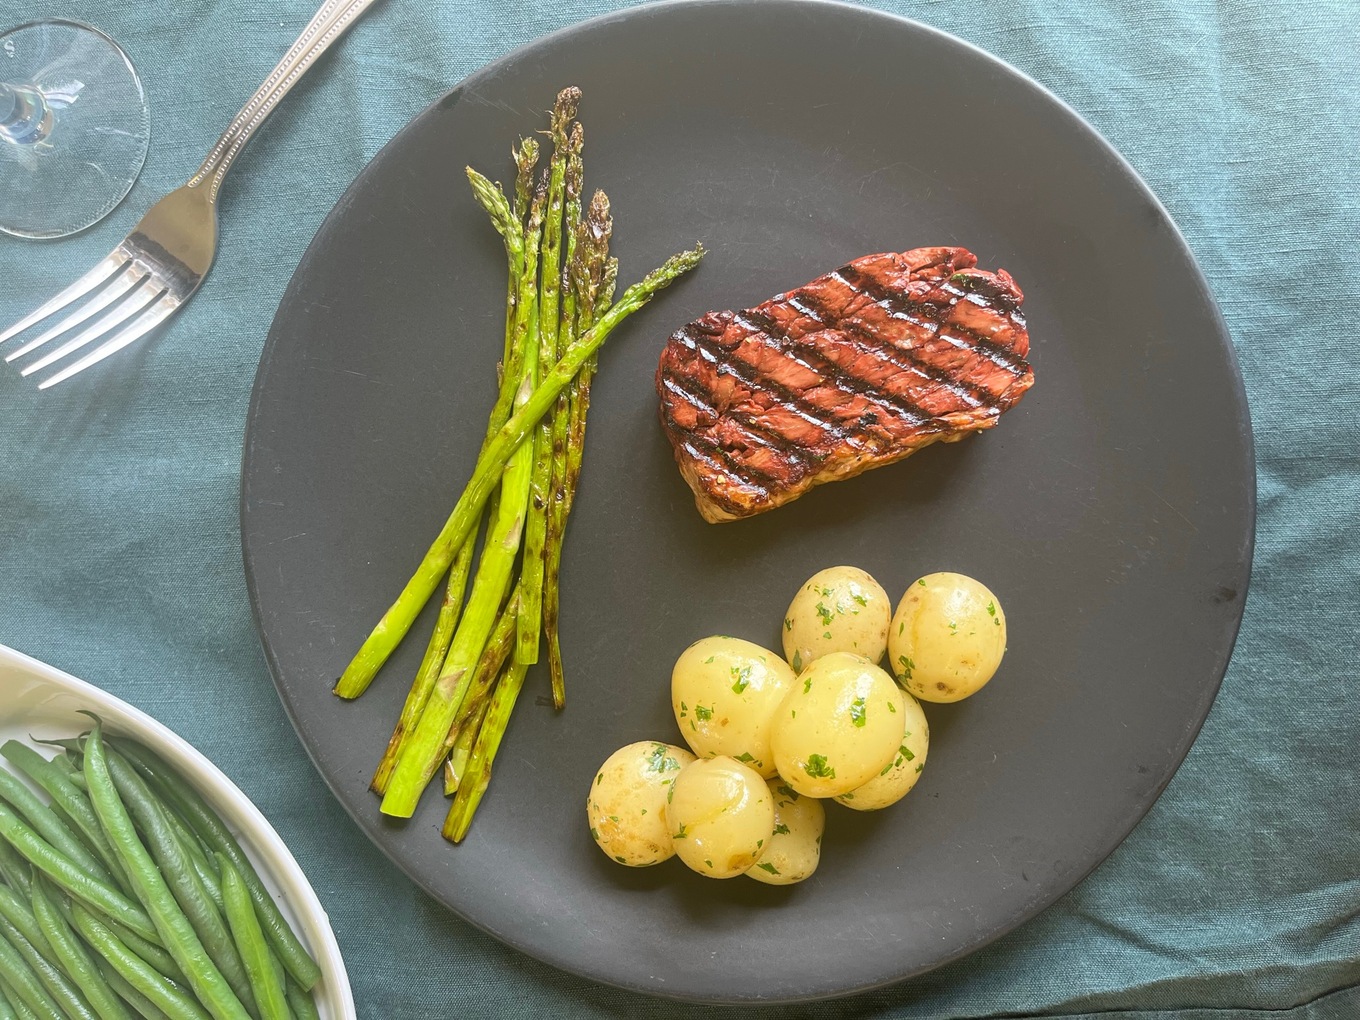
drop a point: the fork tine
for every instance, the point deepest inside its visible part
(158, 313)
(116, 261)
(121, 286)
(130, 308)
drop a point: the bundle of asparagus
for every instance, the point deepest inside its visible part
(559, 311)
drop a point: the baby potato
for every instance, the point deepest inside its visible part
(721, 815)
(947, 638)
(794, 850)
(898, 776)
(838, 727)
(626, 806)
(724, 692)
(839, 609)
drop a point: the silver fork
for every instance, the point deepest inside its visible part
(157, 267)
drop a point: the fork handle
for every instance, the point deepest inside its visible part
(329, 23)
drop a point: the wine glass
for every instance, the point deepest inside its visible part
(74, 127)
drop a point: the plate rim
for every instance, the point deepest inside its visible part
(1243, 565)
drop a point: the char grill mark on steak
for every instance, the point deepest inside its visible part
(874, 345)
(859, 367)
(756, 436)
(924, 320)
(779, 455)
(893, 304)
(766, 330)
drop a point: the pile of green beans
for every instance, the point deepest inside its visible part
(124, 894)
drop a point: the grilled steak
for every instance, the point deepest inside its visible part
(859, 368)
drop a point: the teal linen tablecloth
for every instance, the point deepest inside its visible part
(1236, 897)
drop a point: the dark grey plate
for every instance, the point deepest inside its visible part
(1112, 511)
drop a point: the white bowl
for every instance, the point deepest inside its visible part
(39, 701)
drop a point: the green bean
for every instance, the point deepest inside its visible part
(14, 870)
(177, 870)
(265, 980)
(41, 817)
(152, 952)
(73, 958)
(144, 1006)
(20, 914)
(212, 885)
(66, 874)
(213, 831)
(27, 989)
(175, 930)
(66, 796)
(19, 1008)
(163, 992)
(6, 1010)
(304, 1006)
(58, 985)
(193, 846)
(21, 1012)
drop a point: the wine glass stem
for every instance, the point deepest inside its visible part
(25, 117)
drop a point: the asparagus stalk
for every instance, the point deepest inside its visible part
(595, 278)
(430, 665)
(497, 206)
(526, 161)
(464, 728)
(425, 752)
(466, 513)
(580, 394)
(512, 226)
(478, 774)
(497, 650)
(456, 767)
(493, 200)
(370, 658)
(586, 270)
(536, 528)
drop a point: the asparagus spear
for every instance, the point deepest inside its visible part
(425, 751)
(580, 394)
(478, 773)
(456, 766)
(586, 270)
(511, 225)
(597, 277)
(493, 200)
(430, 665)
(464, 728)
(536, 528)
(365, 665)
(497, 650)
(497, 206)
(466, 513)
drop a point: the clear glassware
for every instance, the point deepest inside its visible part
(74, 127)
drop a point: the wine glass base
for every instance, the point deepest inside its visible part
(72, 164)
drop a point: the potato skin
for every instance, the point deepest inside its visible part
(901, 774)
(839, 609)
(795, 849)
(947, 637)
(838, 727)
(627, 801)
(724, 693)
(720, 814)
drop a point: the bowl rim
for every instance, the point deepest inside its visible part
(228, 799)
